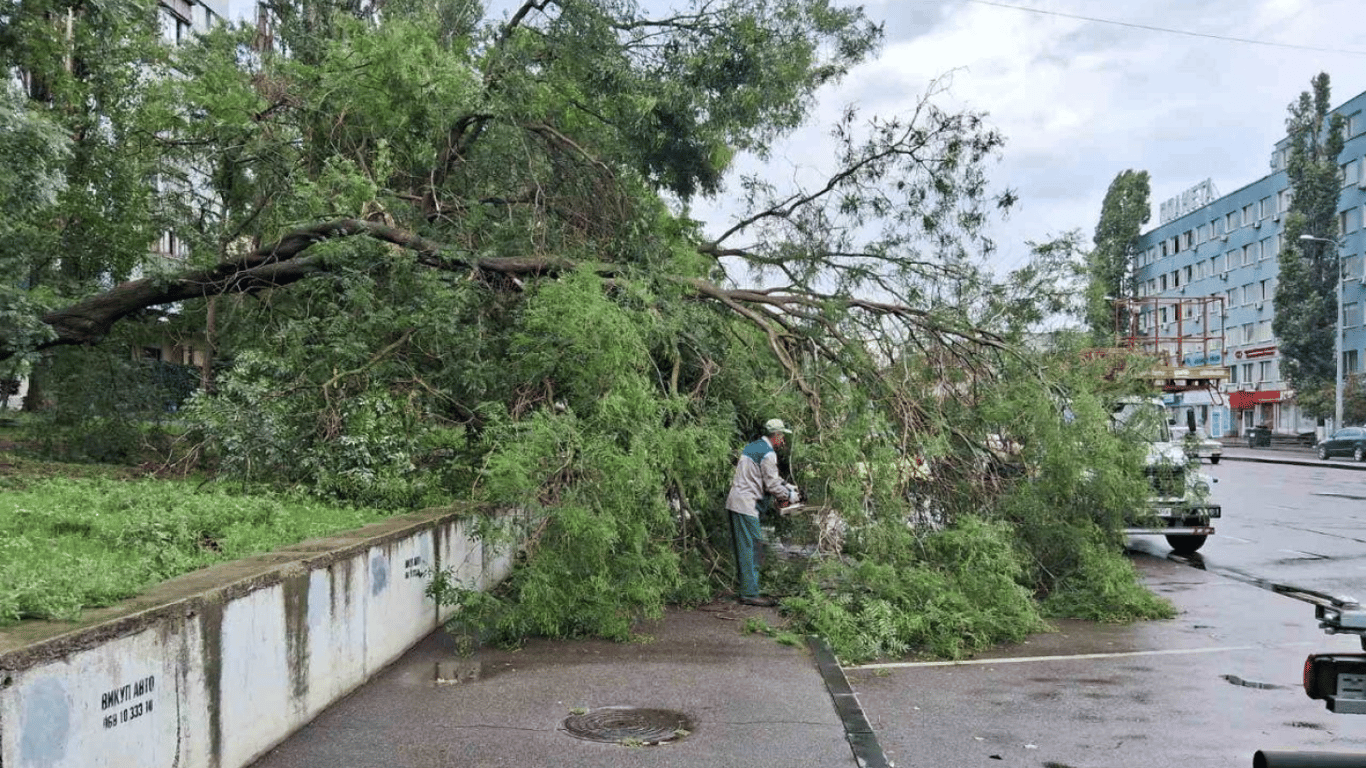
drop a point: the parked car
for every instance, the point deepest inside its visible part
(1200, 445)
(1348, 441)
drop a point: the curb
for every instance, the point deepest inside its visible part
(862, 740)
(1329, 464)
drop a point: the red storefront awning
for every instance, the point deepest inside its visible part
(1241, 401)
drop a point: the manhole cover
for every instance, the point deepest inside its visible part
(629, 726)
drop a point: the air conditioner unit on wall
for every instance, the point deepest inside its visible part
(1256, 225)
(1223, 238)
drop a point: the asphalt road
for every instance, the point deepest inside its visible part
(1288, 524)
(1204, 690)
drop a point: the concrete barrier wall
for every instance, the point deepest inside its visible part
(212, 669)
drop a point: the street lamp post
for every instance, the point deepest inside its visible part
(1337, 337)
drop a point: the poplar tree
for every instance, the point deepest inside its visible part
(1110, 266)
(1306, 294)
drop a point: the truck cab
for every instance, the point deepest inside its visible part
(1178, 504)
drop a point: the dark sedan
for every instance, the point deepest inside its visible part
(1348, 441)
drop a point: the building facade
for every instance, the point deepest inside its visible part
(1227, 247)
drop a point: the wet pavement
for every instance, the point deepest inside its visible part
(751, 702)
(1207, 688)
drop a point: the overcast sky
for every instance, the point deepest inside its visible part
(1079, 101)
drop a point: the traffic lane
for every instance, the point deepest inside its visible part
(1184, 692)
(1285, 524)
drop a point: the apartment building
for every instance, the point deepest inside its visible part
(1212, 245)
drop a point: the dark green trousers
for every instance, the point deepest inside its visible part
(748, 539)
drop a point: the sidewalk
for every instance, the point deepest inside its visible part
(1293, 455)
(750, 702)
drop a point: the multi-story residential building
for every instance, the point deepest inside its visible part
(1228, 246)
(179, 20)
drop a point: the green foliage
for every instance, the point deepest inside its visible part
(953, 592)
(1103, 586)
(105, 406)
(68, 544)
(1306, 304)
(1109, 267)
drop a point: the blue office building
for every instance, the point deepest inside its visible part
(1226, 248)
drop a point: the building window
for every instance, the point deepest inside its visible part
(1188, 274)
(1214, 264)
(1248, 295)
(1268, 207)
(1284, 196)
(1275, 246)
(1355, 125)
(1249, 214)
(174, 30)
(1187, 239)
(1351, 361)
(1249, 333)
(1351, 267)
(1201, 233)
(1351, 314)
(1231, 221)
(1264, 331)
(1351, 172)
(1176, 278)
(1349, 220)
(1233, 374)
(1234, 336)
(1249, 254)
(1215, 228)
(1267, 290)
(1247, 372)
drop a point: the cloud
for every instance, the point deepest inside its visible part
(1080, 101)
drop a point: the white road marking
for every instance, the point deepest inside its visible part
(1072, 657)
(1226, 537)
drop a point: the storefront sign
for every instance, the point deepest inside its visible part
(1241, 401)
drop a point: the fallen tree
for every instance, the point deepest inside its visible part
(455, 259)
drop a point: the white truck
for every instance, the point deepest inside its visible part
(1178, 504)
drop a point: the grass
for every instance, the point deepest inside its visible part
(74, 542)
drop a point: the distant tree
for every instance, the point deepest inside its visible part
(1108, 268)
(1306, 299)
